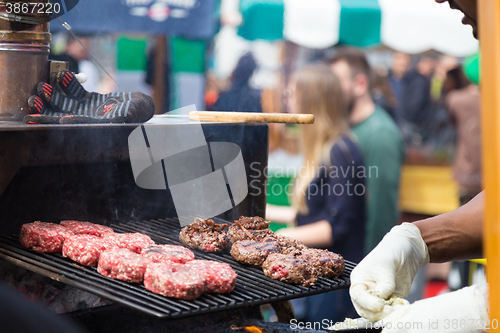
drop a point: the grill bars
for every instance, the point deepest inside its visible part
(252, 286)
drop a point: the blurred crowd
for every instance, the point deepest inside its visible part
(367, 118)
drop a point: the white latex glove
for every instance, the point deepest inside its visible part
(81, 77)
(388, 270)
(464, 310)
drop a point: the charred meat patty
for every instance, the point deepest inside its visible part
(289, 269)
(328, 264)
(253, 252)
(205, 235)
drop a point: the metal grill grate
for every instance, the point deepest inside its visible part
(252, 286)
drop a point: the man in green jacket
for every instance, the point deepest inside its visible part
(380, 142)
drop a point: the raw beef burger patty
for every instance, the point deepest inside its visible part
(289, 269)
(205, 235)
(123, 264)
(254, 252)
(327, 263)
(174, 280)
(219, 277)
(43, 237)
(172, 253)
(133, 241)
(80, 227)
(86, 249)
(256, 226)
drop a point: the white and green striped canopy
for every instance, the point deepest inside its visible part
(410, 26)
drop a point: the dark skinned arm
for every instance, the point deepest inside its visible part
(456, 235)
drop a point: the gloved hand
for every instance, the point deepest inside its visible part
(388, 270)
(464, 310)
(80, 106)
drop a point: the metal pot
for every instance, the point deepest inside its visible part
(24, 56)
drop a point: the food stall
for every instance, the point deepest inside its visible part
(83, 172)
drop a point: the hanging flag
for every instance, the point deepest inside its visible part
(188, 18)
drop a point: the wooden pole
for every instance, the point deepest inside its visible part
(159, 74)
(489, 30)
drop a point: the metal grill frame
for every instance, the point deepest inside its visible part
(252, 286)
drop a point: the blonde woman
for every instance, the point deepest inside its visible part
(329, 198)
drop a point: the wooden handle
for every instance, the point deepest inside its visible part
(252, 117)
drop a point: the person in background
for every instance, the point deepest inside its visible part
(379, 139)
(75, 50)
(443, 65)
(463, 104)
(329, 197)
(383, 94)
(399, 67)
(240, 97)
(416, 100)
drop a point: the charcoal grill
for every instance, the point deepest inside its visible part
(252, 286)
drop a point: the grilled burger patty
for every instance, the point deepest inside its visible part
(86, 249)
(255, 226)
(174, 280)
(254, 252)
(290, 269)
(123, 264)
(328, 264)
(219, 277)
(173, 253)
(80, 227)
(205, 235)
(43, 237)
(135, 242)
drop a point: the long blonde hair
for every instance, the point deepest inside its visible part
(318, 92)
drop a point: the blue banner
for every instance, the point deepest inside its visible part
(188, 18)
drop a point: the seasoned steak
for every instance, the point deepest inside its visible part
(289, 269)
(80, 227)
(123, 264)
(174, 280)
(173, 253)
(219, 277)
(43, 237)
(86, 249)
(133, 241)
(254, 252)
(245, 226)
(205, 235)
(327, 263)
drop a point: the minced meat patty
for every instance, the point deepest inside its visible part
(43, 237)
(174, 280)
(81, 227)
(123, 264)
(254, 252)
(289, 269)
(86, 249)
(135, 242)
(328, 264)
(290, 246)
(256, 226)
(205, 235)
(173, 253)
(235, 234)
(219, 277)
